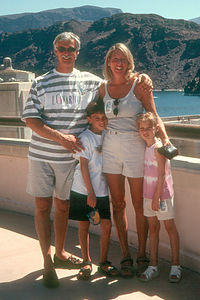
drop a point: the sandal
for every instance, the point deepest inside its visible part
(142, 260)
(175, 273)
(70, 263)
(142, 264)
(108, 269)
(85, 273)
(150, 273)
(50, 279)
(127, 269)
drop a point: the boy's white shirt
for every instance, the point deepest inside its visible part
(90, 142)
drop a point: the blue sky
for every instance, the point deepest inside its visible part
(172, 9)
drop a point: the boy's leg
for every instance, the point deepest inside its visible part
(86, 270)
(174, 240)
(105, 267)
(154, 228)
(84, 239)
(105, 238)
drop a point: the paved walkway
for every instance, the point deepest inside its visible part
(21, 262)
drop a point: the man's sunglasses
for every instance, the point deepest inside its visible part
(116, 109)
(63, 49)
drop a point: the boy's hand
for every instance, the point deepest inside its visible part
(91, 200)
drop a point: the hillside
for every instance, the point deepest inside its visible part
(168, 50)
(18, 22)
(196, 20)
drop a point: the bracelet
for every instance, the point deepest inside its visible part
(91, 191)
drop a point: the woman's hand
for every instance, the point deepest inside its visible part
(144, 82)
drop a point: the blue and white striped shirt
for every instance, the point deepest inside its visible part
(59, 100)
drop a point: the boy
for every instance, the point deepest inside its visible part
(158, 199)
(89, 191)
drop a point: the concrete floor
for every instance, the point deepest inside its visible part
(21, 269)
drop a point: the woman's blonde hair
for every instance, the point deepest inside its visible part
(124, 49)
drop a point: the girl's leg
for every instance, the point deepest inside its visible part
(174, 240)
(117, 189)
(154, 228)
(136, 190)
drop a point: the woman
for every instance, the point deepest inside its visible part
(123, 149)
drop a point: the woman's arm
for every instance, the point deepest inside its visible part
(146, 97)
(102, 90)
(91, 199)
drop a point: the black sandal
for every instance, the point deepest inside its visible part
(108, 269)
(142, 260)
(85, 273)
(127, 269)
(142, 264)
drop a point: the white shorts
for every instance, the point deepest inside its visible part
(123, 153)
(50, 179)
(166, 214)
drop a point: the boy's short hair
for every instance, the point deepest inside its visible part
(148, 116)
(95, 106)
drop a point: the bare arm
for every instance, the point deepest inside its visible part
(102, 91)
(91, 199)
(146, 97)
(161, 160)
(68, 141)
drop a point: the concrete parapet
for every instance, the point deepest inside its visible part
(185, 171)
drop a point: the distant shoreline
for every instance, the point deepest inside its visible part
(168, 90)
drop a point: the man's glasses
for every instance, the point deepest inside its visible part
(116, 109)
(63, 49)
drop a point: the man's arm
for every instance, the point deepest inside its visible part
(68, 141)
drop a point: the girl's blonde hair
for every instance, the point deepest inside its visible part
(148, 116)
(124, 49)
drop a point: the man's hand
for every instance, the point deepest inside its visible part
(71, 143)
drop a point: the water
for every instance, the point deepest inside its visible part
(171, 103)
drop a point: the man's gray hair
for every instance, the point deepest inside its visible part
(67, 36)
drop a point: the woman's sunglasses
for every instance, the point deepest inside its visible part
(116, 109)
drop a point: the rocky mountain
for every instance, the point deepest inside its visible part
(168, 50)
(196, 20)
(193, 86)
(18, 22)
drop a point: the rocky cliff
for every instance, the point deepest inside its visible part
(168, 50)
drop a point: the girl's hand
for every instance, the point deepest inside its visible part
(91, 199)
(156, 204)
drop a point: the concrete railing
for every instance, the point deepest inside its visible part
(186, 174)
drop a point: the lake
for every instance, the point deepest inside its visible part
(172, 103)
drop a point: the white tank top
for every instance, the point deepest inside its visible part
(128, 109)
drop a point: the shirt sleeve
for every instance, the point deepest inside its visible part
(87, 152)
(33, 107)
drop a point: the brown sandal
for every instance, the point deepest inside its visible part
(127, 269)
(85, 273)
(108, 269)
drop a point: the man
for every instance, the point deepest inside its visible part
(55, 113)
